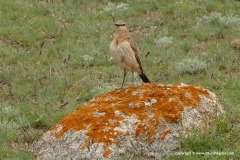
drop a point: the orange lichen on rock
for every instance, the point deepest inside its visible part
(106, 153)
(149, 103)
(164, 133)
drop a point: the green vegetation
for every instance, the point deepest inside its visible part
(54, 56)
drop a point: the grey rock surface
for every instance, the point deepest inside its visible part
(146, 120)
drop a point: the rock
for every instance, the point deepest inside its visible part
(146, 120)
(235, 44)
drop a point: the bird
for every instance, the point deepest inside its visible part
(125, 52)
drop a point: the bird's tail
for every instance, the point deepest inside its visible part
(144, 78)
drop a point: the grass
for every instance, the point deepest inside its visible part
(54, 57)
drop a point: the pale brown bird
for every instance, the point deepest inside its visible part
(125, 51)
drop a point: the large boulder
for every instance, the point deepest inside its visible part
(146, 120)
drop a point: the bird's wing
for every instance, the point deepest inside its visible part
(135, 50)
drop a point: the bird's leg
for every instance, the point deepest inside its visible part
(124, 75)
(132, 78)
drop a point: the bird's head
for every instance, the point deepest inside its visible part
(121, 25)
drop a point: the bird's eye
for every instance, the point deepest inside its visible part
(120, 25)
